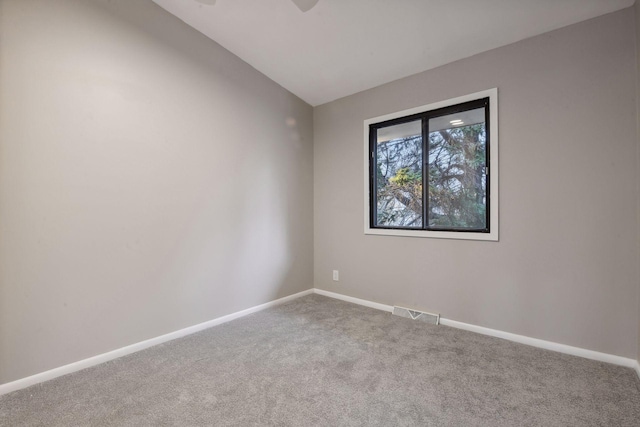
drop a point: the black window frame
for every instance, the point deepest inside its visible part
(425, 116)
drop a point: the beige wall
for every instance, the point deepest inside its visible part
(564, 269)
(148, 181)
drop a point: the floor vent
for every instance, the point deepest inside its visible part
(417, 315)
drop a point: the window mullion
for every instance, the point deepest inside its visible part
(425, 172)
(373, 183)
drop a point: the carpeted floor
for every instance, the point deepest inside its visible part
(319, 361)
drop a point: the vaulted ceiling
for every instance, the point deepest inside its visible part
(341, 47)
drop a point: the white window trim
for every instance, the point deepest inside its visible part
(494, 204)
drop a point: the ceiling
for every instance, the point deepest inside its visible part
(341, 47)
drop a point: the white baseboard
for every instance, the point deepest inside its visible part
(111, 355)
(105, 357)
(548, 345)
(354, 300)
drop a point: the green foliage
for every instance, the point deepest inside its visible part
(406, 177)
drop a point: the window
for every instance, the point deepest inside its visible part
(432, 171)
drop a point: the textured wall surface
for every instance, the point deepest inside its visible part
(149, 181)
(565, 268)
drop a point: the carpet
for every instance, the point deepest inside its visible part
(317, 361)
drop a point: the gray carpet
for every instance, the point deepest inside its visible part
(319, 361)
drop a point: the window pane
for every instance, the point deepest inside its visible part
(457, 174)
(399, 175)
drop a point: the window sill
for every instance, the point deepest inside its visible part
(492, 236)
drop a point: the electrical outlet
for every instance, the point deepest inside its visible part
(336, 276)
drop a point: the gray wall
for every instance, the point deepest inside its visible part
(636, 8)
(148, 181)
(565, 268)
